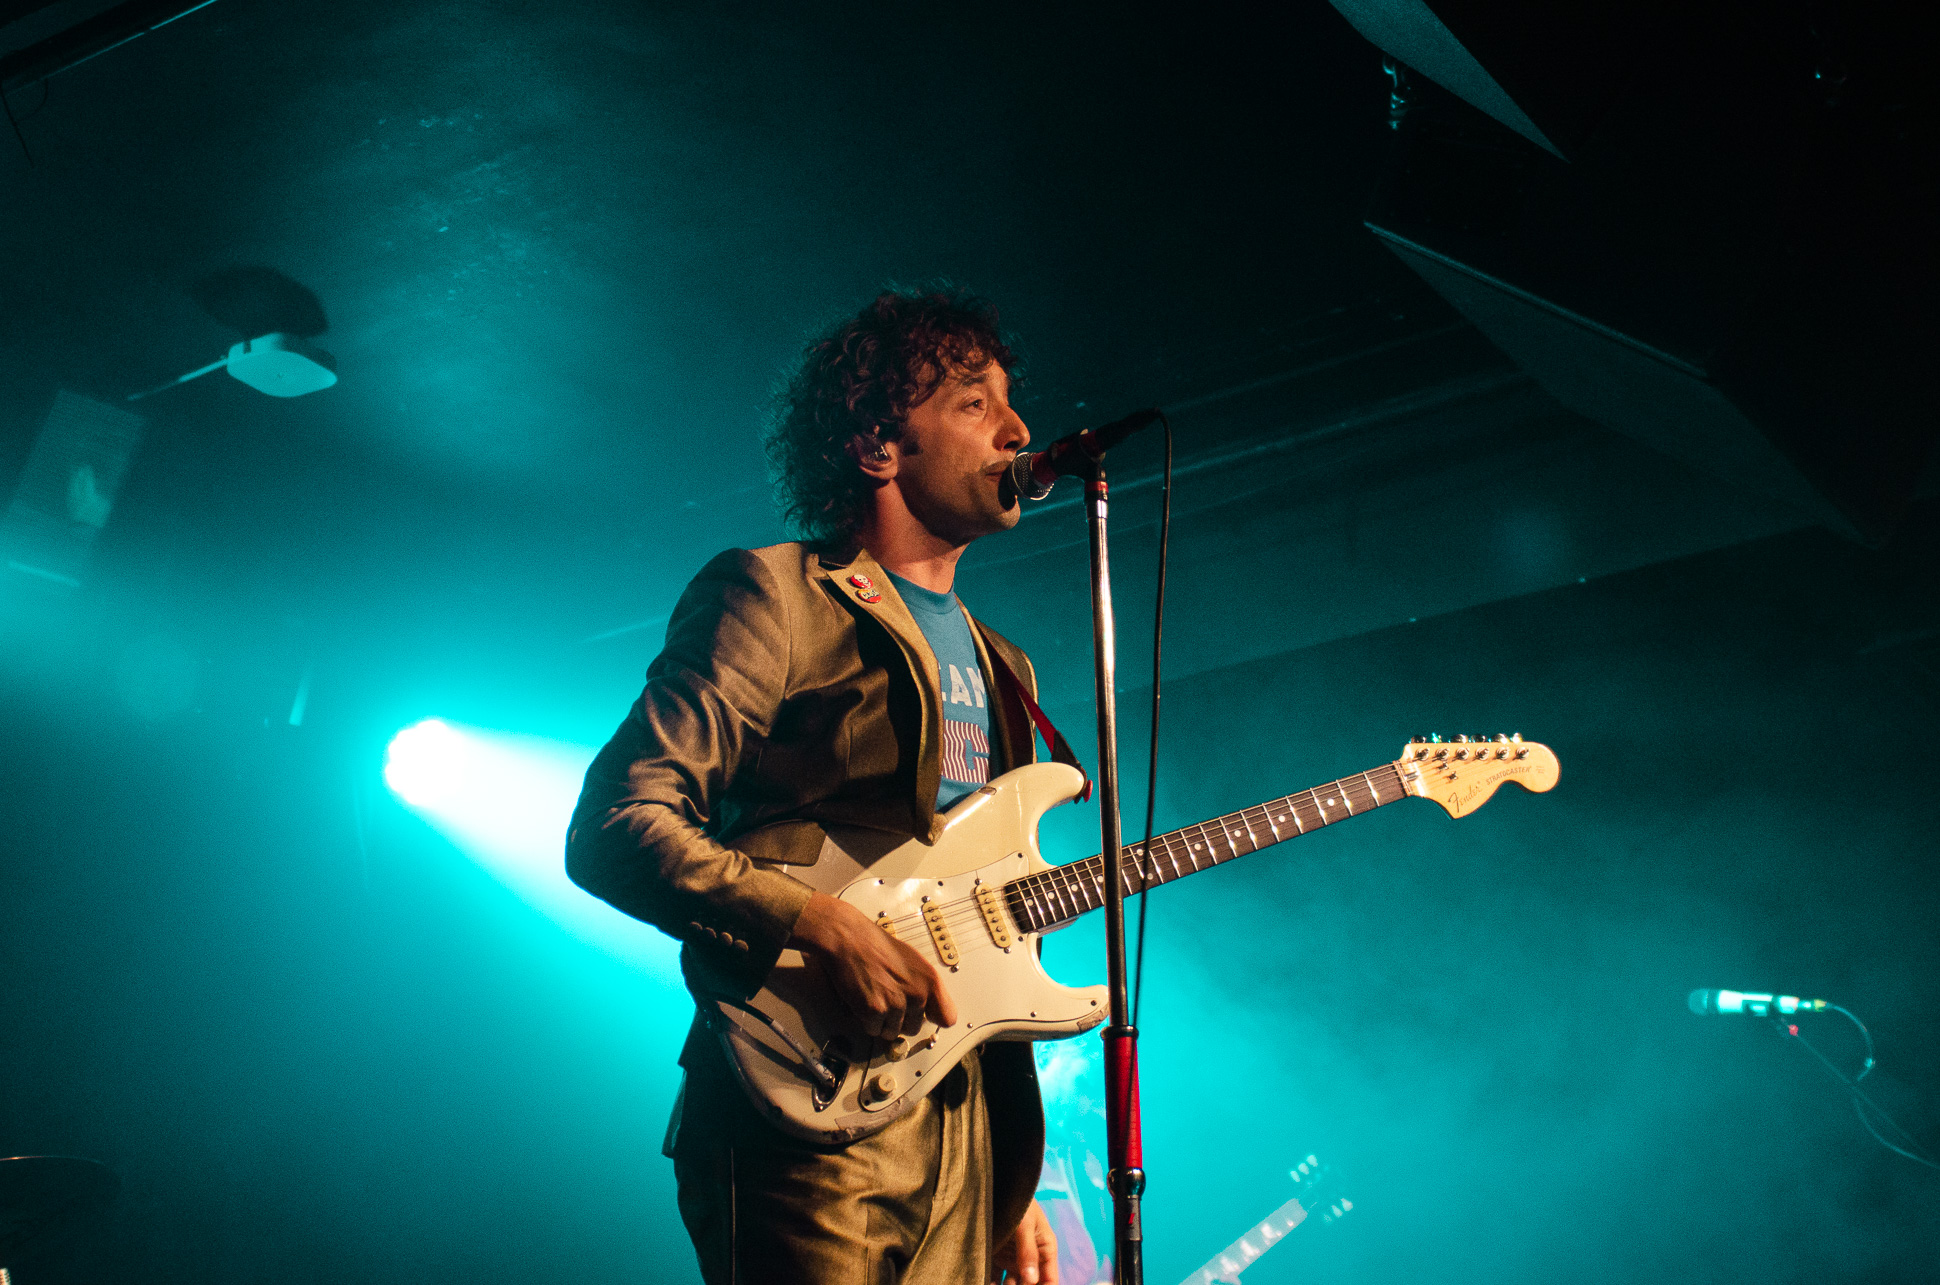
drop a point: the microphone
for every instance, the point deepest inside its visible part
(1033, 473)
(1704, 1003)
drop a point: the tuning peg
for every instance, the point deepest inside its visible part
(1501, 738)
(1417, 740)
(1461, 739)
(1516, 737)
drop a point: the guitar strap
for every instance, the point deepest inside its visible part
(1018, 698)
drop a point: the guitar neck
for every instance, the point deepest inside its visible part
(1054, 897)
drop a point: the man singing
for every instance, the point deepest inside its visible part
(836, 681)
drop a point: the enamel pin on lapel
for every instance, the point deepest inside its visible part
(866, 587)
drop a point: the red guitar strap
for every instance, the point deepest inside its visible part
(1019, 696)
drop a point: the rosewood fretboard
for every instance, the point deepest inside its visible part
(1054, 897)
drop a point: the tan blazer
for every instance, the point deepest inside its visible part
(795, 691)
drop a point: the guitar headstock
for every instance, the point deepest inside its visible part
(1315, 1185)
(1464, 772)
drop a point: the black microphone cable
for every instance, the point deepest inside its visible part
(1152, 766)
(1861, 1101)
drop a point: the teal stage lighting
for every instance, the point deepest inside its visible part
(504, 801)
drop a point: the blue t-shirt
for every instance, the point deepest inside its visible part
(966, 709)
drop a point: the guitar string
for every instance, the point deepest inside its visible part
(1170, 848)
(974, 941)
(1063, 882)
(1059, 884)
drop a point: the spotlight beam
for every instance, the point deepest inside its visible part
(504, 801)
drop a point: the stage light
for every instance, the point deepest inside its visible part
(425, 764)
(504, 800)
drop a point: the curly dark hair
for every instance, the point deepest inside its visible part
(861, 377)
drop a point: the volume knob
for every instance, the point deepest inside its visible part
(883, 1087)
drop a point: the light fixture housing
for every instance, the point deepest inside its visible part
(282, 365)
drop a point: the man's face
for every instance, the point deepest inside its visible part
(956, 447)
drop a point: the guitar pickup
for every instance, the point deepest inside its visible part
(993, 918)
(946, 948)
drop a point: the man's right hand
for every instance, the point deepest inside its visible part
(887, 987)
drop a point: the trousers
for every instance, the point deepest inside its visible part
(910, 1205)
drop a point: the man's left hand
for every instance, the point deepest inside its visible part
(1030, 1255)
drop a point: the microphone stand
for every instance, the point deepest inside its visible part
(1124, 1149)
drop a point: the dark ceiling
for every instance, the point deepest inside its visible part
(564, 251)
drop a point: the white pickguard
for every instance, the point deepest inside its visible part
(1001, 993)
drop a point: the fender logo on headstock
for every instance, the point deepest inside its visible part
(1480, 790)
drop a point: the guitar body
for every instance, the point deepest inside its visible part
(991, 968)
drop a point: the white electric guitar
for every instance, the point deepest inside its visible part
(977, 900)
